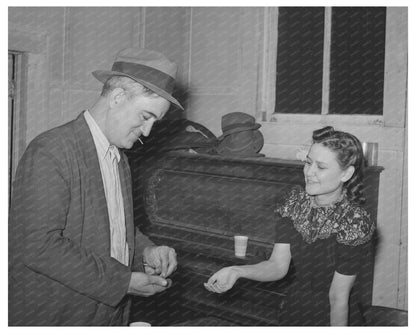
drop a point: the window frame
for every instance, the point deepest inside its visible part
(267, 87)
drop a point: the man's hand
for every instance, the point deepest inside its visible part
(142, 284)
(160, 260)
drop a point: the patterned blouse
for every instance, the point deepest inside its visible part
(349, 222)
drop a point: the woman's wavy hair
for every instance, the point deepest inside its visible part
(349, 152)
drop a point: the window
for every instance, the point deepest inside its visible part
(357, 60)
(330, 60)
(300, 60)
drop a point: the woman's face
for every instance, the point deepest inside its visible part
(324, 177)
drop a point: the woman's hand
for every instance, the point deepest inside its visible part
(222, 280)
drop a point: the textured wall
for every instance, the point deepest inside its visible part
(72, 42)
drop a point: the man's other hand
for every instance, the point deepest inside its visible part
(142, 284)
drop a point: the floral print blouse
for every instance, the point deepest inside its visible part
(349, 222)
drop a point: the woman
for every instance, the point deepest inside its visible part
(323, 229)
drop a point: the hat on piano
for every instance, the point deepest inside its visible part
(246, 143)
(236, 122)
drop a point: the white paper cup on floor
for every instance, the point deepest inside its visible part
(139, 323)
(240, 245)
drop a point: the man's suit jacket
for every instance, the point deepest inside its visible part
(60, 269)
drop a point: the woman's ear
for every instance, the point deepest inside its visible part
(348, 174)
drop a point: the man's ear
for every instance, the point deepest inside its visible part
(117, 96)
(348, 174)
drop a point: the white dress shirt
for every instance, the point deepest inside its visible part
(108, 157)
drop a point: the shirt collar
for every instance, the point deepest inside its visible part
(101, 142)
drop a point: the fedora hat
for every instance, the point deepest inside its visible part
(178, 134)
(242, 144)
(235, 122)
(191, 135)
(149, 68)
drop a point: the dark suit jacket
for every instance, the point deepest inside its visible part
(60, 269)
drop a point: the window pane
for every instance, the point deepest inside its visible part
(300, 60)
(357, 60)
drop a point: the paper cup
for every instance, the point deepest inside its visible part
(140, 323)
(240, 245)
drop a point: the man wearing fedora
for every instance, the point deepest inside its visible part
(74, 254)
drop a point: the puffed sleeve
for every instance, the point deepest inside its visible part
(348, 258)
(354, 241)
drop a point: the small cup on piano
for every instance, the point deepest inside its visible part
(240, 245)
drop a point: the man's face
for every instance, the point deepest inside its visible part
(133, 117)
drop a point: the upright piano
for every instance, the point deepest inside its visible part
(196, 203)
